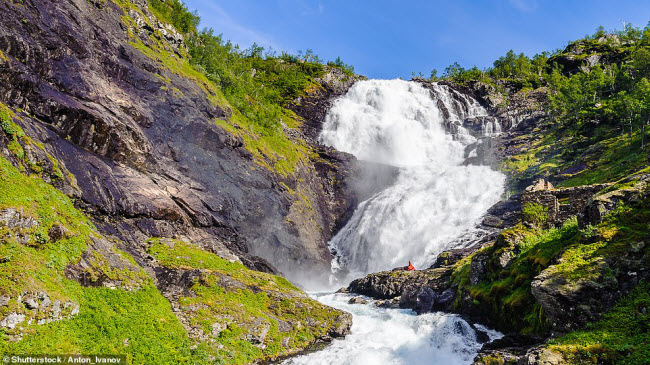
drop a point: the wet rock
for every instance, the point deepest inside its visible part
(510, 349)
(492, 221)
(451, 257)
(341, 327)
(343, 291)
(388, 303)
(420, 290)
(477, 269)
(357, 300)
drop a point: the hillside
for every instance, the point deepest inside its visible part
(564, 273)
(164, 194)
(146, 207)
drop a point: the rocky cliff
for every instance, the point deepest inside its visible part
(100, 101)
(108, 90)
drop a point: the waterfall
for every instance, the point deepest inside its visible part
(433, 205)
(435, 199)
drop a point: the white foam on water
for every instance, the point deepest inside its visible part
(396, 336)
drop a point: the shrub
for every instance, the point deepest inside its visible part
(535, 214)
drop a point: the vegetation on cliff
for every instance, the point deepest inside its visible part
(65, 288)
(592, 127)
(257, 85)
(598, 108)
(621, 336)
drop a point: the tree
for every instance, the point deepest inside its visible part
(453, 70)
(434, 75)
(255, 51)
(600, 32)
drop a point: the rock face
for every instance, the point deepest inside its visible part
(313, 106)
(139, 139)
(423, 291)
(561, 204)
(597, 208)
(571, 301)
(583, 55)
(517, 350)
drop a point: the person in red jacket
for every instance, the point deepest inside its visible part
(411, 267)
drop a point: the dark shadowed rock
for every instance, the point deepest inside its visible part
(421, 290)
(357, 300)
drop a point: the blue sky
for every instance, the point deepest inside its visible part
(389, 39)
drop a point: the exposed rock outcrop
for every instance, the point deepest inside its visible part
(421, 290)
(139, 139)
(560, 204)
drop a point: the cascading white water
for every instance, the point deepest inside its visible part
(392, 336)
(435, 198)
(434, 201)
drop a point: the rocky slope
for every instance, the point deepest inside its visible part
(108, 90)
(555, 266)
(173, 201)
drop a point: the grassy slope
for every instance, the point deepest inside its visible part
(236, 300)
(505, 292)
(621, 336)
(600, 155)
(136, 319)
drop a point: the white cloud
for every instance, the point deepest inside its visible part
(214, 16)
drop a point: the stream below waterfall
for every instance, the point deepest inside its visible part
(434, 202)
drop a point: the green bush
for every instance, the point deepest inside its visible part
(535, 214)
(176, 13)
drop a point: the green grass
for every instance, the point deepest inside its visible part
(36, 199)
(611, 160)
(239, 302)
(504, 294)
(605, 155)
(622, 336)
(593, 254)
(138, 324)
(178, 254)
(621, 232)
